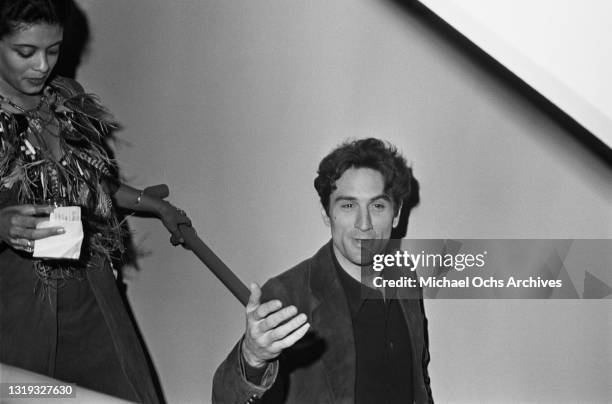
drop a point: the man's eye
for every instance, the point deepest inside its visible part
(346, 205)
(379, 206)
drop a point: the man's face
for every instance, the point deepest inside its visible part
(359, 210)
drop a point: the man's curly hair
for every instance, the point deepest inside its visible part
(365, 153)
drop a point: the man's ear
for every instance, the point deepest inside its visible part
(397, 216)
(325, 217)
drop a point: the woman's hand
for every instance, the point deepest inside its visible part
(151, 200)
(172, 217)
(18, 225)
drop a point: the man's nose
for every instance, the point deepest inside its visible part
(364, 220)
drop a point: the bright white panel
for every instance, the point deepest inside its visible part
(561, 48)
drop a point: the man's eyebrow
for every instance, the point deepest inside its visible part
(381, 196)
(352, 198)
(344, 198)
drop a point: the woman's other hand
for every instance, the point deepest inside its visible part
(172, 217)
(18, 225)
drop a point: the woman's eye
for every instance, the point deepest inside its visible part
(25, 55)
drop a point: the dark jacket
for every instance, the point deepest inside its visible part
(321, 367)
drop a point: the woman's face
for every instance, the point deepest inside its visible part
(27, 57)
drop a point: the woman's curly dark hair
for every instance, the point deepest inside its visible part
(15, 13)
(365, 153)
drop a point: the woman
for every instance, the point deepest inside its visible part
(63, 318)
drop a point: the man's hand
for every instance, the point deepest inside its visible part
(18, 226)
(270, 328)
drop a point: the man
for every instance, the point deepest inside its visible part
(361, 345)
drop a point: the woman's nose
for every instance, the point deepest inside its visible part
(42, 63)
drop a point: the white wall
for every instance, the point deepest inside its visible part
(233, 103)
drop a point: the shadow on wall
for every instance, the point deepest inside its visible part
(417, 10)
(74, 48)
(408, 204)
(74, 45)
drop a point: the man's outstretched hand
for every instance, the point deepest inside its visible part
(270, 328)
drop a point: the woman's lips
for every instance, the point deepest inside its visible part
(36, 82)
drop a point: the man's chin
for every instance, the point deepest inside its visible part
(363, 258)
(369, 248)
(356, 256)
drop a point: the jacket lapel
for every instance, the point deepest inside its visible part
(331, 320)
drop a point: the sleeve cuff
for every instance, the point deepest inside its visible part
(257, 378)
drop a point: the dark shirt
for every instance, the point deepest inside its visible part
(382, 344)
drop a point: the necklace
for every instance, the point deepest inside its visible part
(23, 110)
(39, 117)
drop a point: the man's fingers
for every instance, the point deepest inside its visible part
(280, 316)
(291, 339)
(282, 331)
(254, 297)
(265, 309)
